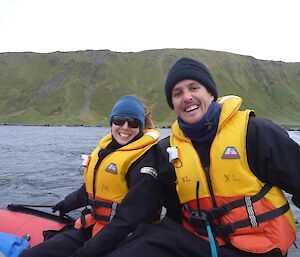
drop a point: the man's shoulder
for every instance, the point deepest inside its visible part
(262, 124)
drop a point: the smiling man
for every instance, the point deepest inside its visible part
(191, 100)
(230, 167)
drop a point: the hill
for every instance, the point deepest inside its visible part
(81, 87)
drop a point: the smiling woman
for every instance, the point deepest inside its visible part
(113, 180)
(127, 119)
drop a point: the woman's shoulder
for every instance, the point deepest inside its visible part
(164, 143)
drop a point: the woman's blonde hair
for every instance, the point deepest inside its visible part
(149, 124)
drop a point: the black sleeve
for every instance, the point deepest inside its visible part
(167, 176)
(140, 205)
(273, 156)
(76, 199)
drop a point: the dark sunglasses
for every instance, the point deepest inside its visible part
(120, 121)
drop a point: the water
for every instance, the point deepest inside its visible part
(41, 165)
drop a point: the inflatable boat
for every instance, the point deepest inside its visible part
(30, 223)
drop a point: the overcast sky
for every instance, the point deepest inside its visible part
(264, 29)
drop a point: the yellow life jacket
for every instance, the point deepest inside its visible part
(243, 211)
(106, 186)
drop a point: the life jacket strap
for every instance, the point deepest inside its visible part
(218, 212)
(223, 230)
(96, 211)
(197, 219)
(107, 218)
(101, 217)
(84, 212)
(97, 204)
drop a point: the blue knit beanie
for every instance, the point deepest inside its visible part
(129, 106)
(187, 68)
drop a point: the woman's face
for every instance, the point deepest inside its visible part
(191, 100)
(124, 129)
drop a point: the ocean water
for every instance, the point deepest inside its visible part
(42, 164)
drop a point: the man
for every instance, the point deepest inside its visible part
(230, 168)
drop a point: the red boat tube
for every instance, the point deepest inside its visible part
(27, 222)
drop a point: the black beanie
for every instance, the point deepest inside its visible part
(187, 68)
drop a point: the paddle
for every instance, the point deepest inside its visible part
(28, 208)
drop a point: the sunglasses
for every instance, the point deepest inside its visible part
(120, 121)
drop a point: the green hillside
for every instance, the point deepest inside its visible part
(81, 87)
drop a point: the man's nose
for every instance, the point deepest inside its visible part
(187, 96)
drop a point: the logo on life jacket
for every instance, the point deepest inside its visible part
(230, 153)
(112, 168)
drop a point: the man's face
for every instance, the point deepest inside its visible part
(191, 100)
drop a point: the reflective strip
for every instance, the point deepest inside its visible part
(250, 212)
(113, 210)
(152, 134)
(224, 98)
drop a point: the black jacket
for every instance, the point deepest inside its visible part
(272, 155)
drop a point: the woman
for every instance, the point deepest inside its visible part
(117, 175)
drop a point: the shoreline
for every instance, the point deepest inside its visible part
(296, 128)
(65, 125)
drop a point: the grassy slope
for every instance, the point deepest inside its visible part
(81, 87)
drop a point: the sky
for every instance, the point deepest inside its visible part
(264, 29)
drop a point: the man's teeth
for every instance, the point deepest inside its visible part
(191, 108)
